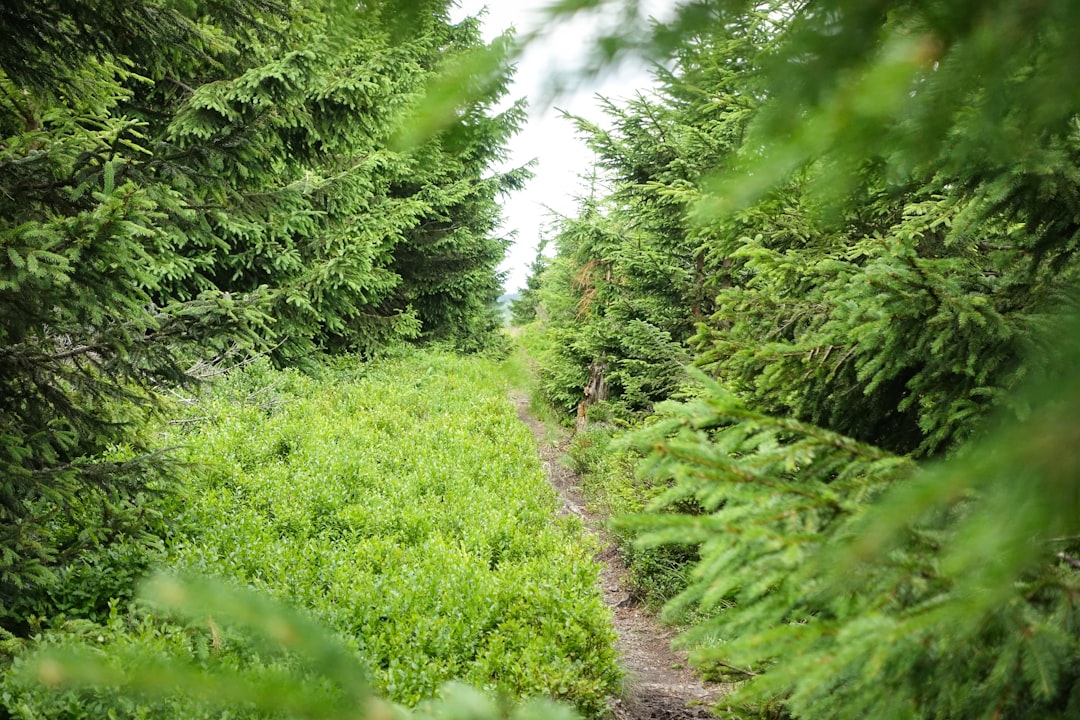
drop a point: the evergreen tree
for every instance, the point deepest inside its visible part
(641, 269)
(86, 337)
(523, 308)
(448, 260)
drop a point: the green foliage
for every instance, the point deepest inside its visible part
(420, 470)
(597, 316)
(855, 584)
(972, 88)
(859, 218)
(401, 504)
(523, 308)
(867, 212)
(187, 183)
(199, 665)
(361, 243)
(921, 324)
(921, 301)
(85, 341)
(635, 272)
(614, 490)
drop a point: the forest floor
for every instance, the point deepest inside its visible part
(659, 684)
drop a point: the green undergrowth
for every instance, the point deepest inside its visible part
(399, 503)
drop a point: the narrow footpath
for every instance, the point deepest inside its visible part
(659, 685)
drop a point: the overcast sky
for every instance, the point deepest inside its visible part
(561, 158)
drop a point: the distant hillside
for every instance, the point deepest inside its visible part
(504, 304)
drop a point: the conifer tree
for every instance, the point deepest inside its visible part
(448, 260)
(646, 273)
(524, 308)
(86, 336)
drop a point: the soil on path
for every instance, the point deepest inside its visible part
(658, 684)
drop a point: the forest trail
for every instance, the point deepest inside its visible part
(659, 685)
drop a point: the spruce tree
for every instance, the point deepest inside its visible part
(523, 309)
(87, 337)
(642, 270)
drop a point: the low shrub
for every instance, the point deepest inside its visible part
(400, 503)
(406, 506)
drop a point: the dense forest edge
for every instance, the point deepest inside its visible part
(188, 187)
(829, 404)
(814, 331)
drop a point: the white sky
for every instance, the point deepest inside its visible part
(562, 159)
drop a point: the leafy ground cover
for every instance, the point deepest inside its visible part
(400, 503)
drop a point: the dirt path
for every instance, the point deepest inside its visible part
(658, 684)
